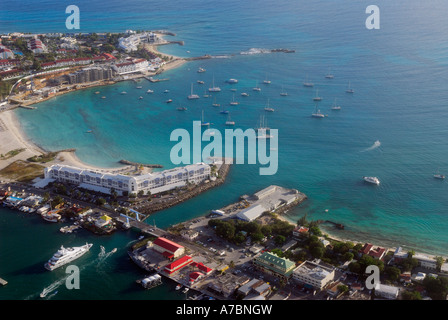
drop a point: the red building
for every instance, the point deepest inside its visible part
(168, 248)
(178, 264)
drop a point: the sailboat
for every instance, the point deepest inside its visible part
(438, 175)
(213, 88)
(224, 111)
(204, 124)
(317, 113)
(263, 129)
(206, 95)
(329, 75)
(317, 98)
(335, 106)
(215, 104)
(229, 122)
(349, 90)
(257, 88)
(268, 109)
(308, 84)
(192, 96)
(283, 93)
(266, 81)
(233, 102)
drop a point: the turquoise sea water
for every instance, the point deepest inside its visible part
(398, 73)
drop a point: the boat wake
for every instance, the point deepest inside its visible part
(375, 145)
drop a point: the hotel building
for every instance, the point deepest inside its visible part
(138, 65)
(313, 274)
(155, 182)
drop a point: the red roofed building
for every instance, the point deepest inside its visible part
(194, 276)
(300, 231)
(202, 267)
(377, 253)
(366, 248)
(168, 248)
(178, 264)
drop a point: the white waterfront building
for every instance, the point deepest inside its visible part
(137, 65)
(155, 182)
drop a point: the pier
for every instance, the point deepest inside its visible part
(151, 79)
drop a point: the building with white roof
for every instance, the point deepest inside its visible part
(132, 42)
(137, 65)
(155, 182)
(251, 213)
(386, 291)
(313, 274)
(425, 261)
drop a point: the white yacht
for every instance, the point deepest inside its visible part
(308, 84)
(335, 106)
(317, 98)
(233, 102)
(232, 81)
(213, 88)
(373, 180)
(201, 70)
(192, 95)
(150, 91)
(66, 255)
(317, 113)
(257, 88)
(349, 90)
(229, 122)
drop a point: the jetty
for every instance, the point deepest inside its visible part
(140, 164)
(337, 225)
(151, 79)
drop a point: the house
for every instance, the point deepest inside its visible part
(103, 221)
(300, 231)
(189, 234)
(425, 261)
(203, 268)
(400, 255)
(195, 276)
(333, 290)
(377, 253)
(256, 287)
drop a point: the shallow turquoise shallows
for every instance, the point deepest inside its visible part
(398, 74)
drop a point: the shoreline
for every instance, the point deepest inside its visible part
(387, 247)
(12, 131)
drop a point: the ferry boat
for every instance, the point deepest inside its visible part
(66, 255)
(372, 180)
(192, 96)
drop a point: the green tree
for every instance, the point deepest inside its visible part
(279, 240)
(411, 295)
(317, 252)
(348, 256)
(302, 221)
(392, 273)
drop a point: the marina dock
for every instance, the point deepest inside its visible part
(151, 79)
